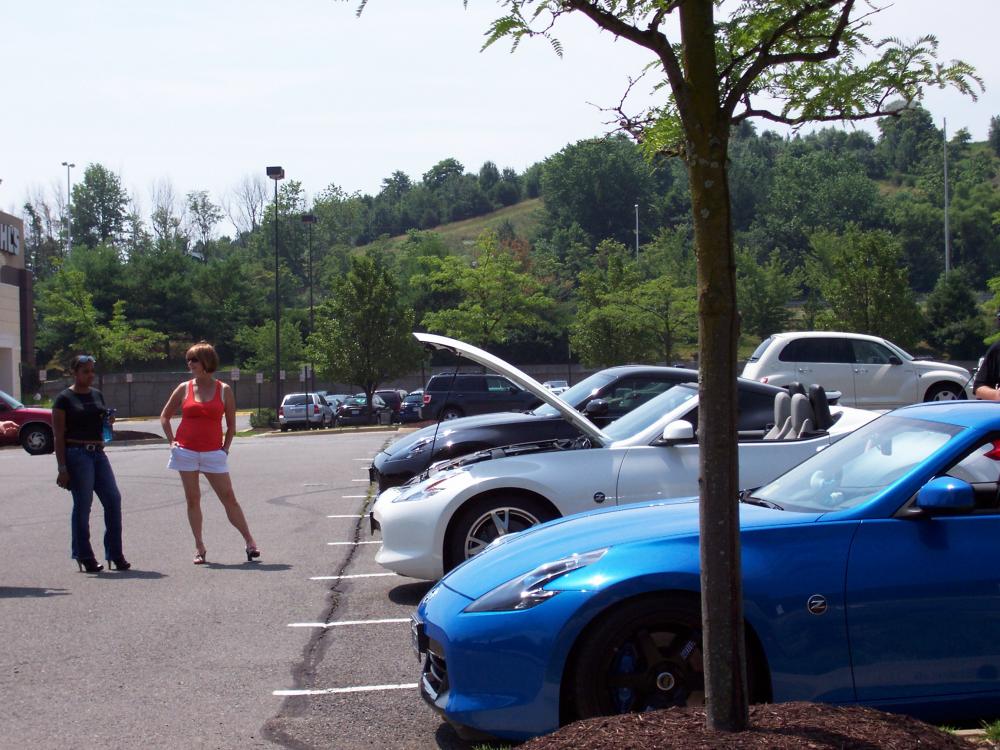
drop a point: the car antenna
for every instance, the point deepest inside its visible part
(437, 425)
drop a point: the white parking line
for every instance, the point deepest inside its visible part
(361, 459)
(352, 497)
(346, 622)
(366, 481)
(356, 575)
(356, 515)
(359, 689)
(350, 544)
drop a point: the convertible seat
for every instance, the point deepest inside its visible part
(820, 407)
(782, 417)
(803, 419)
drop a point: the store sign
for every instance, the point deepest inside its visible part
(10, 239)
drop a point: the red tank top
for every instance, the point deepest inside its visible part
(201, 423)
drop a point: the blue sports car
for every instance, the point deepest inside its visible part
(871, 575)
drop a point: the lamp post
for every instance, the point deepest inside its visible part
(69, 217)
(276, 173)
(636, 232)
(309, 220)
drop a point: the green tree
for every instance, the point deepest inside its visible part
(203, 215)
(861, 277)
(122, 342)
(498, 298)
(595, 184)
(363, 333)
(764, 291)
(669, 313)
(257, 344)
(99, 207)
(814, 61)
(954, 322)
(994, 135)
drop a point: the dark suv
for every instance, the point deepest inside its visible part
(451, 395)
(603, 397)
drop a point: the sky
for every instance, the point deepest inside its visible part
(202, 93)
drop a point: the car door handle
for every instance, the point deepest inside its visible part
(804, 369)
(861, 370)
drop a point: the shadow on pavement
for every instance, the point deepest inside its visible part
(260, 567)
(410, 593)
(21, 592)
(131, 573)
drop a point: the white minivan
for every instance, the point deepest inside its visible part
(870, 372)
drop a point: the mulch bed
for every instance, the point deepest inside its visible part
(772, 727)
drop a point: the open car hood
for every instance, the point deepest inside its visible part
(527, 382)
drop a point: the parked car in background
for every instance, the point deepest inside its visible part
(304, 411)
(854, 564)
(336, 399)
(34, 424)
(354, 411)
(557, 386)
(870, 372)
(394, 399)
(453, 395)
(409, 410)
(457, 508)
(602, 397)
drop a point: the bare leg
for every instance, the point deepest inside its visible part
(223, 487)
(192, 493)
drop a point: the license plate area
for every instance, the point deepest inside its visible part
(418, 638)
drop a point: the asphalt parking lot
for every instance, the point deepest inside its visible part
(308, 648)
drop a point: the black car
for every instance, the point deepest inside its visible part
(354, 411)
(603, 397)
(454, 395)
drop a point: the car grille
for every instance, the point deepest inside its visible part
(435, 673)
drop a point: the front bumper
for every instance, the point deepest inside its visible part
(410, 545)
(494, 674)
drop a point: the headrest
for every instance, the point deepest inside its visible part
(820, 407)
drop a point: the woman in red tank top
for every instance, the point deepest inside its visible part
(200, 447)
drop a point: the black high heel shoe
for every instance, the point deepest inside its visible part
(119, 563)
(89, 565)
(252, 554)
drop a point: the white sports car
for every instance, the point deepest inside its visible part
(456, 508)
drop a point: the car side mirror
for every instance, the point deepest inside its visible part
(678, 431)
(894, 360)
(944, 495)
(597, 407)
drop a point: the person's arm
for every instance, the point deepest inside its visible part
(170, 409)
(59, 446)
(987, 380)
(230, 402)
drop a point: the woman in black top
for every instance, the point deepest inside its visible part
(78, 415)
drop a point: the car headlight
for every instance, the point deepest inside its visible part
(419, 447)
(527, 591)
(425, 489)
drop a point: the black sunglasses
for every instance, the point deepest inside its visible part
(84, 358)
(193, 359)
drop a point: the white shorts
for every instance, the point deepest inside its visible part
(207, 462)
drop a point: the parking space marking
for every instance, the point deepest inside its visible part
(350, 544)
(356, 515)
(341, 623)
(352, 497)
(356, 575)
(358, 689)
(361, 480)
(361, 459)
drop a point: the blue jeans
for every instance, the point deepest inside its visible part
(90, 472)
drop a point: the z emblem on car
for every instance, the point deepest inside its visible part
(816, 604)
(599, 497)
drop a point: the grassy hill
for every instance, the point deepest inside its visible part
(524, 217)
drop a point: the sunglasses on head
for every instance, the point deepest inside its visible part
(84, 359)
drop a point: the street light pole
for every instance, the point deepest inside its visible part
(309, 220)
(947, 232)
(69, 216)
(637, 232)
(276, 173)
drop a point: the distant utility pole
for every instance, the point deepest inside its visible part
(69, 217)
(637, 232)
(947, 233)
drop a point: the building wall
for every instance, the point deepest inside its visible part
(16, 330)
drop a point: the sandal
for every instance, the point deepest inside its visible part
(199, 558)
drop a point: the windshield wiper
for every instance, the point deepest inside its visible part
(746, 497)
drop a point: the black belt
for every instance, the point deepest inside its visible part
(92, 447)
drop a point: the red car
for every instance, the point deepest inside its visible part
(35, 424)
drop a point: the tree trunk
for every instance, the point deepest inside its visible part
(707, 131)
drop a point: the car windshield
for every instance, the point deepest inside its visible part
(414, 398)
(12, 402)
(579, 394)
(855, 469)
(642, 417)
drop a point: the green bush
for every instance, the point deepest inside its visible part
(267, 418)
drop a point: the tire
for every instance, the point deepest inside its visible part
(36, 439)
(944, 392)
(451, 412)
(484, 519)
(645, 655)
(284, 428)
